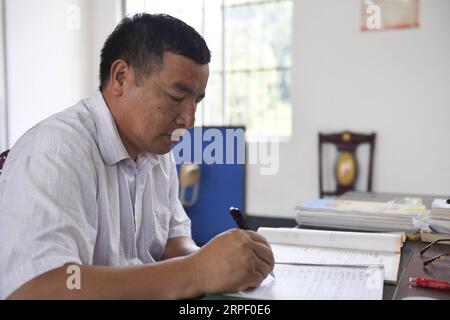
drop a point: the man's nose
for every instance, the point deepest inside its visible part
(187, 117)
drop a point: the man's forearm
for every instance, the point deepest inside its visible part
(178, 247)
(172, 279)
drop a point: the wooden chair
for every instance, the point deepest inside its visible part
(346, 165)
(3, 156)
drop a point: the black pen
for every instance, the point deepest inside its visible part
(238, 217)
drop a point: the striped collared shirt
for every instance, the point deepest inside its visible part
(69, 193)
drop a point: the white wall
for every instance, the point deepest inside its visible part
(46, 62)
(395, 83)
(104, 15)
(50, 64)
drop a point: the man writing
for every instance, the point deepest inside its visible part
(96, 185)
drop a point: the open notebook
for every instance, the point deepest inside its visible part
(319, 282)
(318, 247)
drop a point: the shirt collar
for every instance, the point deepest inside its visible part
(110, 144)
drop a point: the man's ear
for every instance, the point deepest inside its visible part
(120, 76)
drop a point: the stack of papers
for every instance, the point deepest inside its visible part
(439, 219)
(361, 215)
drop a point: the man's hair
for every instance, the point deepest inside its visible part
(142, 39)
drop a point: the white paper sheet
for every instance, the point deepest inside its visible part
(317, 255)
(319, 282)
(306, 246)
(388, 242)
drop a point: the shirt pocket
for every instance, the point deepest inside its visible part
(162, 226)
(162, 213)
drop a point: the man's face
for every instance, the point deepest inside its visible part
(163, 102)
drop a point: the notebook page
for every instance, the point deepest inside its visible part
(306, 282)
(386, 242)
(317, 255)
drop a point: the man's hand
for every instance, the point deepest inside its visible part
(232, 261)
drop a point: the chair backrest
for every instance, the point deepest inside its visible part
(3, 156)
(220, 152)
(346, 166)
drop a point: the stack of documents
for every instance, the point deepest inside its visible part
(361, 215)
(439, 219)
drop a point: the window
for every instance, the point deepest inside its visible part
(250, 70)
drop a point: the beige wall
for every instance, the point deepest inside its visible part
(50, 64)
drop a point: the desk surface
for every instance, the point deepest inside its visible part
(414, 268)
(411, 261)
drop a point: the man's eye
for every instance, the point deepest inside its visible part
(176, 99)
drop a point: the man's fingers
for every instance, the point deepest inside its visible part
(261, 247)
(263, 265)
(257, 237)
(264, 253)
(260, 271)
